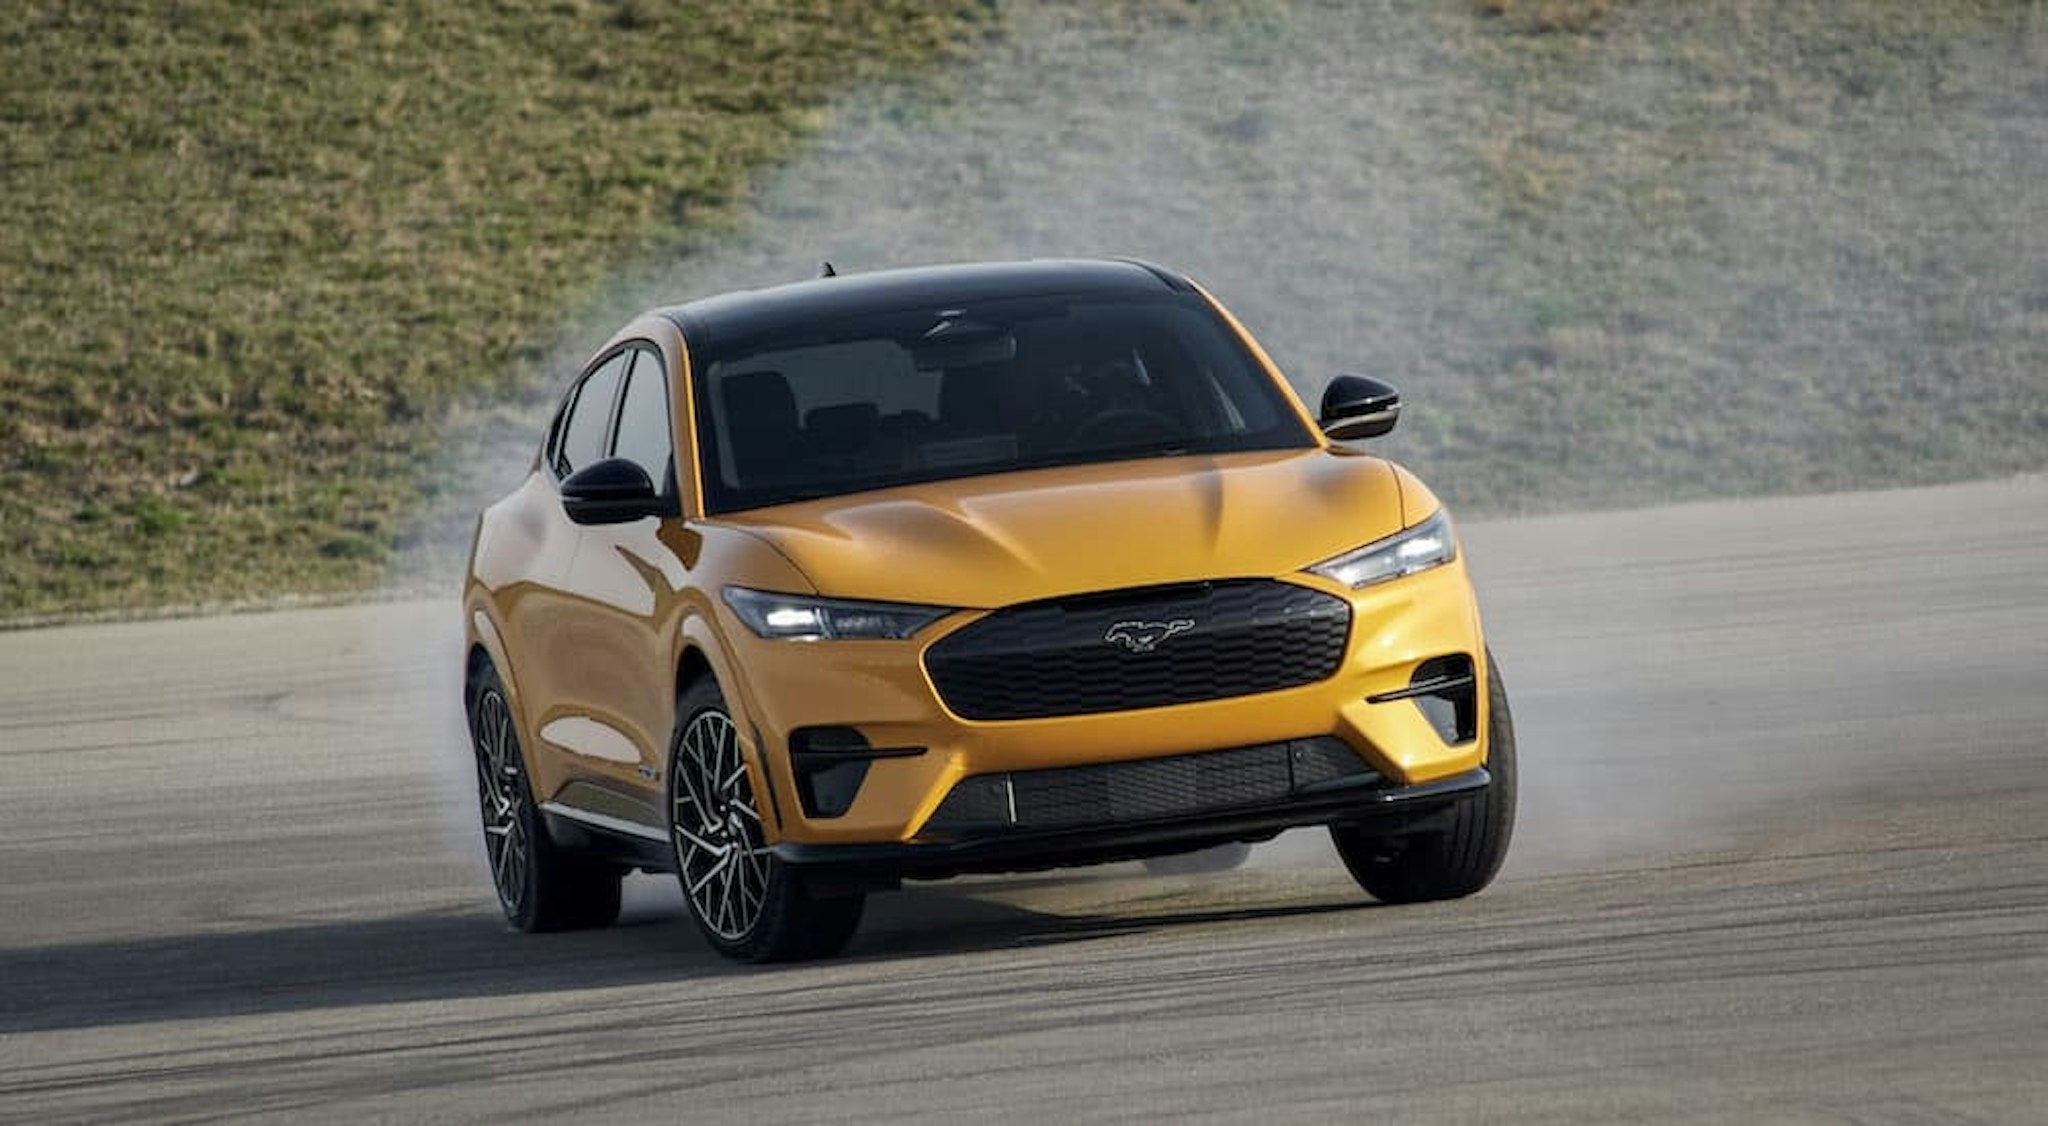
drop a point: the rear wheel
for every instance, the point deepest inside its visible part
(749, 905)
(540, 887)
(1462, 856)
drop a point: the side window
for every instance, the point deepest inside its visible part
(583, 433)
(644, 420)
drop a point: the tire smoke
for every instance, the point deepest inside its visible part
(1605, 271)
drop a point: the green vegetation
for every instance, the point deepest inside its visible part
(1547, 16)
(271, 276)
(254, 252)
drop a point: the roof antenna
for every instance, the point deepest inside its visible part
(825, 270)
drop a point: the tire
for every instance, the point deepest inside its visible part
(1203, 862)
(1460, 858)
(540, 887)
(748, 904)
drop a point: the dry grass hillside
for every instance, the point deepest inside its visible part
(1614, 253)
(283, 316)
(253, 253)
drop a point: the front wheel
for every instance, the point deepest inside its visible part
(1462, 856)
(750, 906)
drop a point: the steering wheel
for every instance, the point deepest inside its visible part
(1124, 426)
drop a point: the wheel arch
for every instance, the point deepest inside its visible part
(691, 667)
(476, 666)
(700, 658)
(487, 651)
(486, 655)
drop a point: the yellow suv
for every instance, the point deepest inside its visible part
(964, 569)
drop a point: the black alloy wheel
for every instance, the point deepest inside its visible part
(749, 905)
(539, 886)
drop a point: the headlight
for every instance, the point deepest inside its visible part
(796, 617)
(1428, 544)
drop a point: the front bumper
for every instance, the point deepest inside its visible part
(1363, 799)
(881, 690)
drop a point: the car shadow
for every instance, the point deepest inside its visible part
(929, 921)
(451, 955)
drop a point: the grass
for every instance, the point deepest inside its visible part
(1743, 249)
(272, 275)
(1680, 250)
(254, 252)
(1543, 17)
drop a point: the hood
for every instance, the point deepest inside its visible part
(983, 542)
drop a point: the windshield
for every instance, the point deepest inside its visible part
(932, 393)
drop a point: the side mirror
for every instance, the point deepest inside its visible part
(1359, 406)
(611, 491)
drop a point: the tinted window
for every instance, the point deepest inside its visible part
(590, 418)
(930, 393)
(643, 419)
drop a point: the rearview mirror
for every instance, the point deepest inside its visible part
(611, 491)
(1359, 406)
(961, 344)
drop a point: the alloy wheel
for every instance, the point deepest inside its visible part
(502, 793)
(720, 851)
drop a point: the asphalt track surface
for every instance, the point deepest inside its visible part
(1783, 857)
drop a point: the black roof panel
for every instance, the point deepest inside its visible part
(756, 312)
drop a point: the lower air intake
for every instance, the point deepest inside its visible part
(1146, 789)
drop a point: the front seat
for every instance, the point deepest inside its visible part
(971, 399)
(760, 426)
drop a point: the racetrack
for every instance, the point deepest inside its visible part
(1783, 856)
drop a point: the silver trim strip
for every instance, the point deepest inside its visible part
(605, 821)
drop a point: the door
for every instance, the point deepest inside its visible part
(615, 658)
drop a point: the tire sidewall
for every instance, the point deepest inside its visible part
(704, 695)
(523, 916)
(793, 923)
(1462, 854)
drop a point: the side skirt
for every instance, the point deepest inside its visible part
(613, 838)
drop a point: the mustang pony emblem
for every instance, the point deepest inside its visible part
(1143, 637)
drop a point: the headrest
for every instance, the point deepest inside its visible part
(758, 399)
(972, 397)
(840, 429)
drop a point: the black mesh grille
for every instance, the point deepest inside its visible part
(1140, 649)
(1117, 792)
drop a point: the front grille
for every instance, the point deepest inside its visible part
(1119, 792)
(1143, 648)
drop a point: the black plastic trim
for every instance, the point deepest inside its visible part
(575, 834)
(768, 775)
(1429, 687)
(829, 757)
(1053, 657)
(880, 865)
(831, 765)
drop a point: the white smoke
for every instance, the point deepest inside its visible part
(1544, 246)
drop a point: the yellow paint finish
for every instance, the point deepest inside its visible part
(591, 625)
(1005, 538)
(581, 735)
(880, 688)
